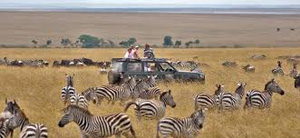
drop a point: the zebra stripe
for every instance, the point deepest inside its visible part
(150, 93)
(186, 128)
(79, 100)
(204, 101)
(97, 126)
(4, 129)
(232, 101)
(152, 109)
(34, 130)
(66, 93)
(257, 99)
(116, 93)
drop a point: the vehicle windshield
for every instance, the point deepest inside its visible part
(165, 67)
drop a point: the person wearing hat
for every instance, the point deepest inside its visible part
(136, 52)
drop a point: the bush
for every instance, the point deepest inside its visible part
(89, 41)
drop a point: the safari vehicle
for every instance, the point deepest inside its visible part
(141, 68)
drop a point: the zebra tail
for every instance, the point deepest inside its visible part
(131, 103)
(12, 133)
(157, 130)
(132, 132)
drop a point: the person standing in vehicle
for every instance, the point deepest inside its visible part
(129, 53)
(136, 52)
(148, 52)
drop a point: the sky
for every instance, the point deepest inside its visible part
(124, 3)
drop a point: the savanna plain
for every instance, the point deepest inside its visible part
(37, 90)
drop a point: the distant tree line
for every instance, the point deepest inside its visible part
(168, 42)
(90, 41)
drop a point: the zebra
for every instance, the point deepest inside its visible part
(4, 128)
(111, 93)
(257, 99)
(188, 127)
(69, 95)
(294, 72)
(249, 68)
(69, 90)
(278, 70)
(19, 119)
(232, 101)
(297, 82)
(152, 109)
(208, 101)
(97, 126)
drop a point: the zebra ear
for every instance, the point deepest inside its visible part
(169, 91)
(5, 100)
(273, 80)
(155, 76)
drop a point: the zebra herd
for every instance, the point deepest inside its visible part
(150, 103)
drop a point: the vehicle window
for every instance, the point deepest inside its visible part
(166, 67)
(134, 67)
(117, 66)
(150, 67)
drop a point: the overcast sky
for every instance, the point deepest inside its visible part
(20, 3)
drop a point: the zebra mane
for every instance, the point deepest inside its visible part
(76, 108)
(164, 93)
(268, 83)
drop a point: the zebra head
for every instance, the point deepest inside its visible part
(240, 90)
(90, 94)
(167, 98)
(69, 79)
(198, 118)
(220, 89)
(10, 109)
(279, 63)
(272, 86)
(297, 81)
(74, 113)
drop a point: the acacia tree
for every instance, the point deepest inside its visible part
(89, 41)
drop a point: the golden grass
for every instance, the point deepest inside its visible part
(38, 91)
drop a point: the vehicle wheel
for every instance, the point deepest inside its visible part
(113, 77)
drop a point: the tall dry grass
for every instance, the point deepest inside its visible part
(38, 91)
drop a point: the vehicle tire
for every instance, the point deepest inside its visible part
(113, 77)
